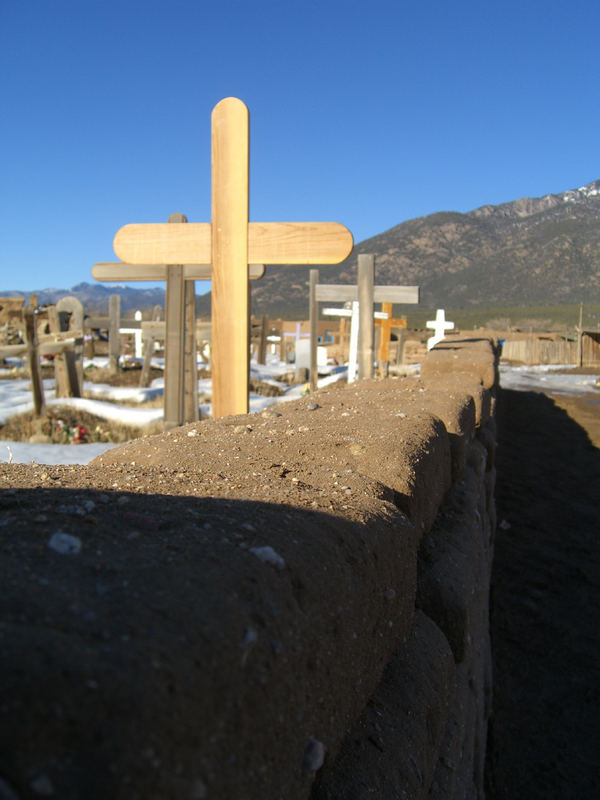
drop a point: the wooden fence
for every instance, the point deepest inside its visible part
(540, 351)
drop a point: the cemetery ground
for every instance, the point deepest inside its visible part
(60, 423)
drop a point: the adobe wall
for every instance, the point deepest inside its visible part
(285, 605)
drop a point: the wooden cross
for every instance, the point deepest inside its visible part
(440, 325)
(366, 293)
(230, 243)
(385, 330)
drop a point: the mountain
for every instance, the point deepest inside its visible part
(94, 296)
(532, 251)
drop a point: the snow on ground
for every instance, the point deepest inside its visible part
(25, 453)
(548, 378)
(103, 401)
(15, 398)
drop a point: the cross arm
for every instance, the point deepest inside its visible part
(347, 312)
(268, 243)
(120, 271)
(331, 292)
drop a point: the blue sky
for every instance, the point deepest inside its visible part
(366, 113)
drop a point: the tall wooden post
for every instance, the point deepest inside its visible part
(190, 365)
(174, 343)
(279, 327)
(261, 355)
(148, 345)
(33, 358)
(70, 315)
(230, 287)
(114, 346)
(61, 376)
(313, 312)
(580, 337)
(384, 345)
(366, 282)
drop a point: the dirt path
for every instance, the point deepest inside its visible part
(545, 600)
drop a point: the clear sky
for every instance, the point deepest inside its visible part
(367, 113)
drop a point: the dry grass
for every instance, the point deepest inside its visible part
(65, 425)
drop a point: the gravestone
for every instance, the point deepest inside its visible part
(136, 332)
(67, 315)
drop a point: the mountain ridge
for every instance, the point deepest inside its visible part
(530, 251)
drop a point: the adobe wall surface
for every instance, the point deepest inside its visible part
(284, 605)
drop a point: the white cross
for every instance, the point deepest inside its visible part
(440, 326)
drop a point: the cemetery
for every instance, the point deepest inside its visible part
(281, 587)
(128, 350)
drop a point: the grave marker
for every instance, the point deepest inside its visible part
(230, 243)
(148, 340)
(385, 331)
(33, 358)
(370, 294)
(355, 324)
(114, 349)
(439, 325)
(136, 332)
(67, 315)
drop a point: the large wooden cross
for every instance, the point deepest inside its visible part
(230, 243)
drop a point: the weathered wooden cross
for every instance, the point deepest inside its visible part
(366, 293)
(230, 243)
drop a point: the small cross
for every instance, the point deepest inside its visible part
(439, 326)
(230, 243)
